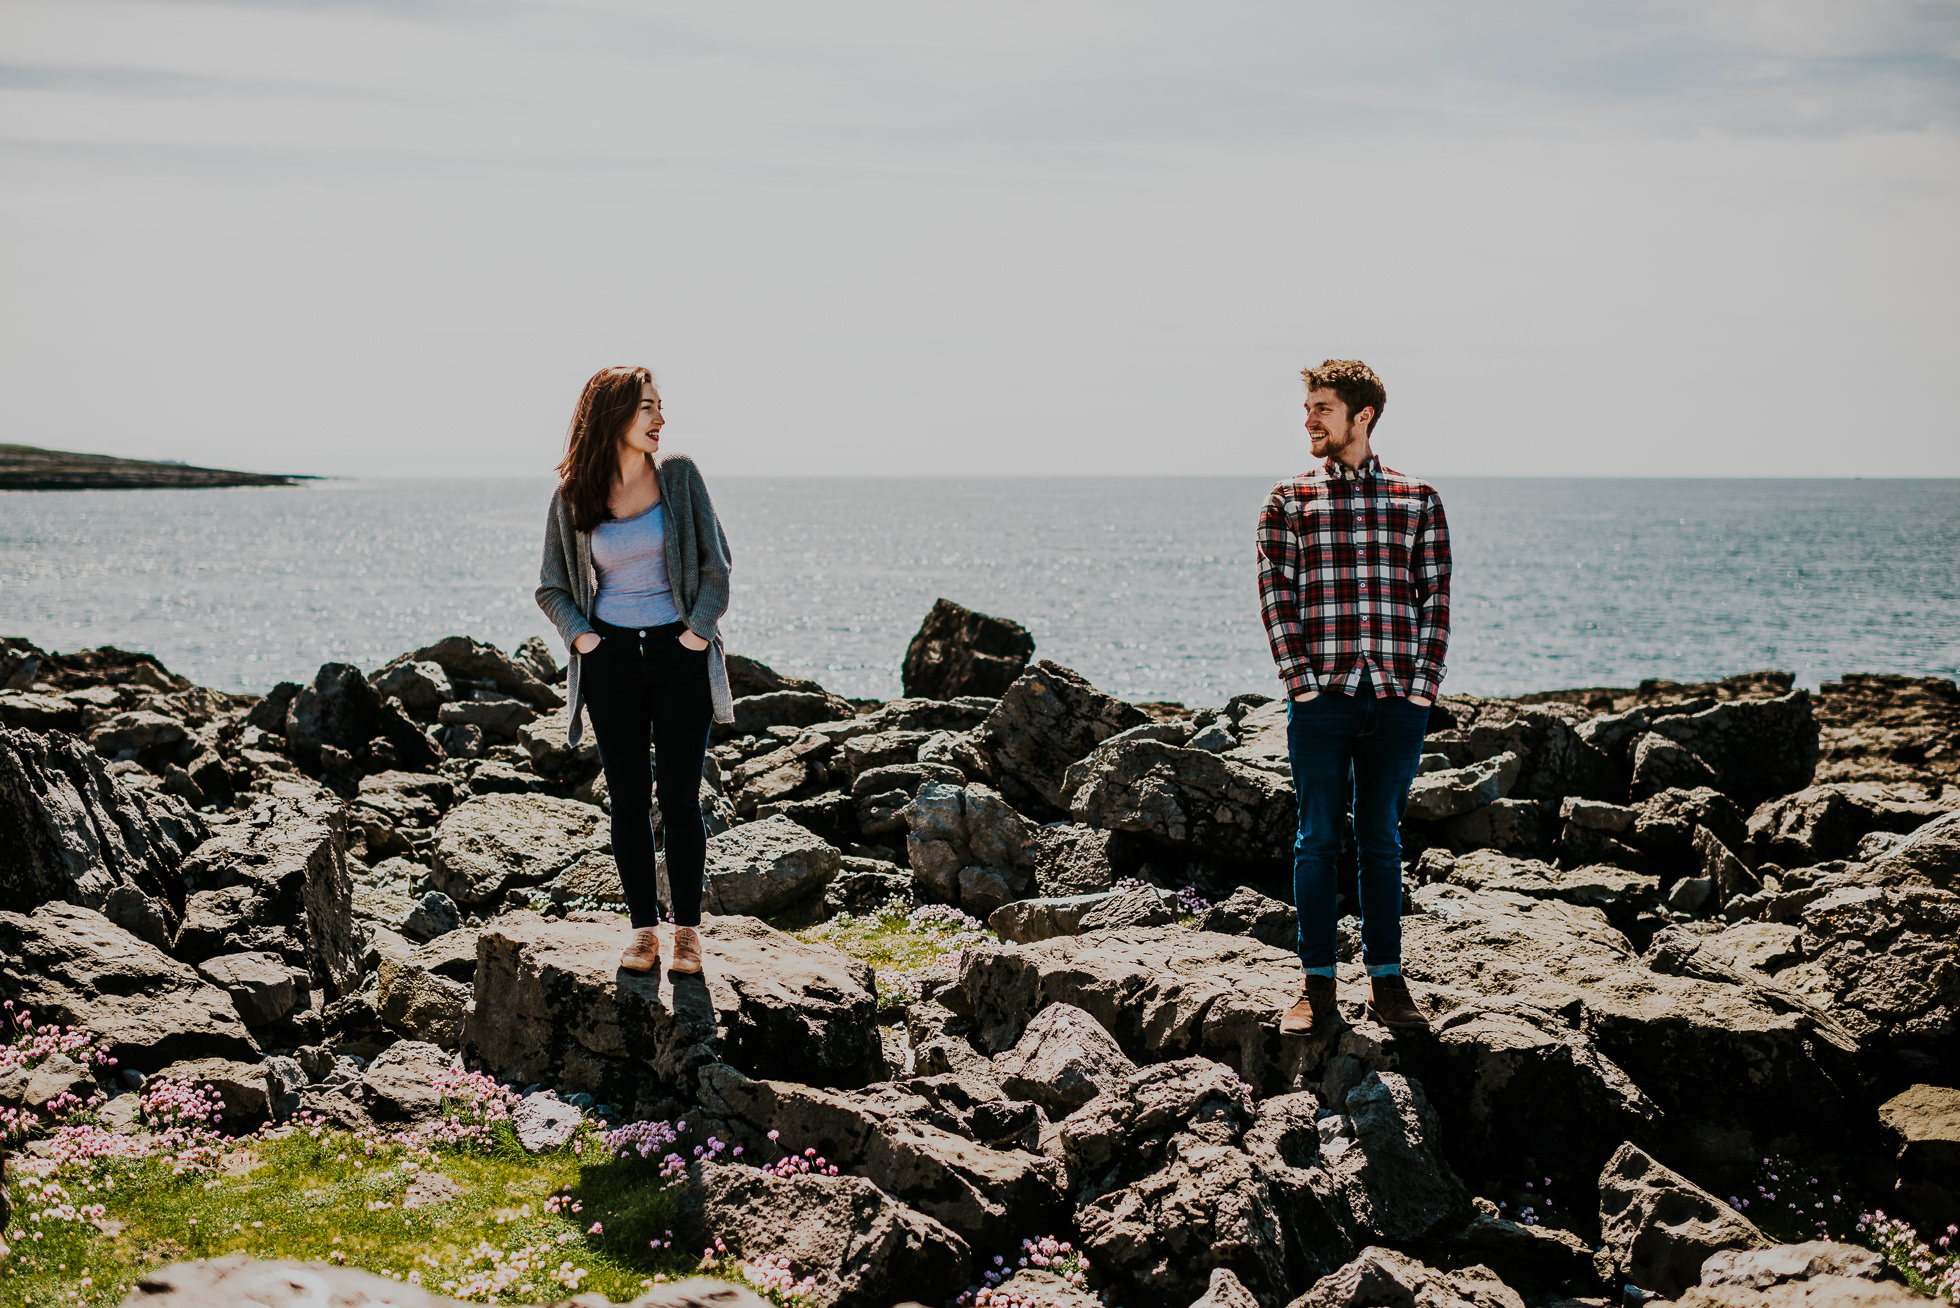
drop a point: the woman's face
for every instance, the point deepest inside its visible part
(642, 434)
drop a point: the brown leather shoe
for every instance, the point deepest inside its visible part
(643, 955)
(1392, 1005)
(1314, 1012)
(687, 951)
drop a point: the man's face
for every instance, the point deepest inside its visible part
(1329, 426)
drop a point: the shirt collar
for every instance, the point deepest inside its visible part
(1370, 467)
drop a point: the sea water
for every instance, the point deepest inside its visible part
(1147, 586)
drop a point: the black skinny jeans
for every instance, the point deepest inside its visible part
(635, 684)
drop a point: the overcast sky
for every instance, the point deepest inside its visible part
(394, 238)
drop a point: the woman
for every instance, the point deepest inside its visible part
(635, 578)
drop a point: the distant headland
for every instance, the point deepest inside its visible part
(26, 467)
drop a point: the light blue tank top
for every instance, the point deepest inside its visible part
(630, 556)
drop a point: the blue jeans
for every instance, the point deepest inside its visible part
(1361, 750)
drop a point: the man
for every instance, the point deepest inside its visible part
(1354, 587)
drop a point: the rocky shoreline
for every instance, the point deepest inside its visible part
(30, 468)
(1668, 932)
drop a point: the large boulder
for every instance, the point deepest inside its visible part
(70, 966)
(1179, 1172)
(1658, 1227)
(281, 869)
(466, 659)
(547, 741)
(76, 834)
(1795, 1275)
(1049, 718)
(860, 1245)
(1755, 748)
(1878, 727)
(1162, 992)
(959, 652)
(553, 1006)
(1922, 1125)
(340, 709)
(1725, 1055)
(1885, 963)
(1246, 912)
(762, 868)
(1072, 859)
(1385, 1156)
(755, 714)
(495, 843)
(1380, 1276)
(1821, 823)
(1452, 792)
(958, 834)
(1188, 799)
(1930, 856)
(260, 985)
(419, 1003)
(1063, 1060)
(897, 1142)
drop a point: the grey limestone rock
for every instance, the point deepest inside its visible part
(1434, 796)
(420, 688)
(1048, 719)
(860, 1244)
(1071, 860)
(952, 830)
(466, 659)
(1184, 798)
(434, 914)
(543, 1121)
(1178, 1172)
(419, 1004)
(896, 1140)
(283, 866)
(1025, 921)
(76, 834)
(260, 985)
(1137, 906)
(494, 843)
(1658, 1227)
(762, 868)
(1381, 1276)
(1246, 912)
(72, 966)
(1390, 1177)
(755, 714)
(957, 651)
(1063, 1060)
(552, 1007)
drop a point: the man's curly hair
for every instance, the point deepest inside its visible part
(1354, 381)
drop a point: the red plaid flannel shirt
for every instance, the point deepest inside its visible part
(1354, 577)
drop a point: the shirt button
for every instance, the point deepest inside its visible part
(643, 633)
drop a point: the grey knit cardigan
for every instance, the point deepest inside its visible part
(697, 568)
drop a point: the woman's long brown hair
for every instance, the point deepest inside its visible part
(591, 462)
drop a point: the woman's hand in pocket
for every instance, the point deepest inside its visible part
(691, 641)
(587, 642)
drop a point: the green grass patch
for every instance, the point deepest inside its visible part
(499, 1221)
(905, 946)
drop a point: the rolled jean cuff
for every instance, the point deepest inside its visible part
(1327, 972)
(1384, 969)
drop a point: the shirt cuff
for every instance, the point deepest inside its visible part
(1300, 681)
(1425, 685)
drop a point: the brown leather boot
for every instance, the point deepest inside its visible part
(687, 952)
(643, 955)
(1392, 1005)
(1314, 1012)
